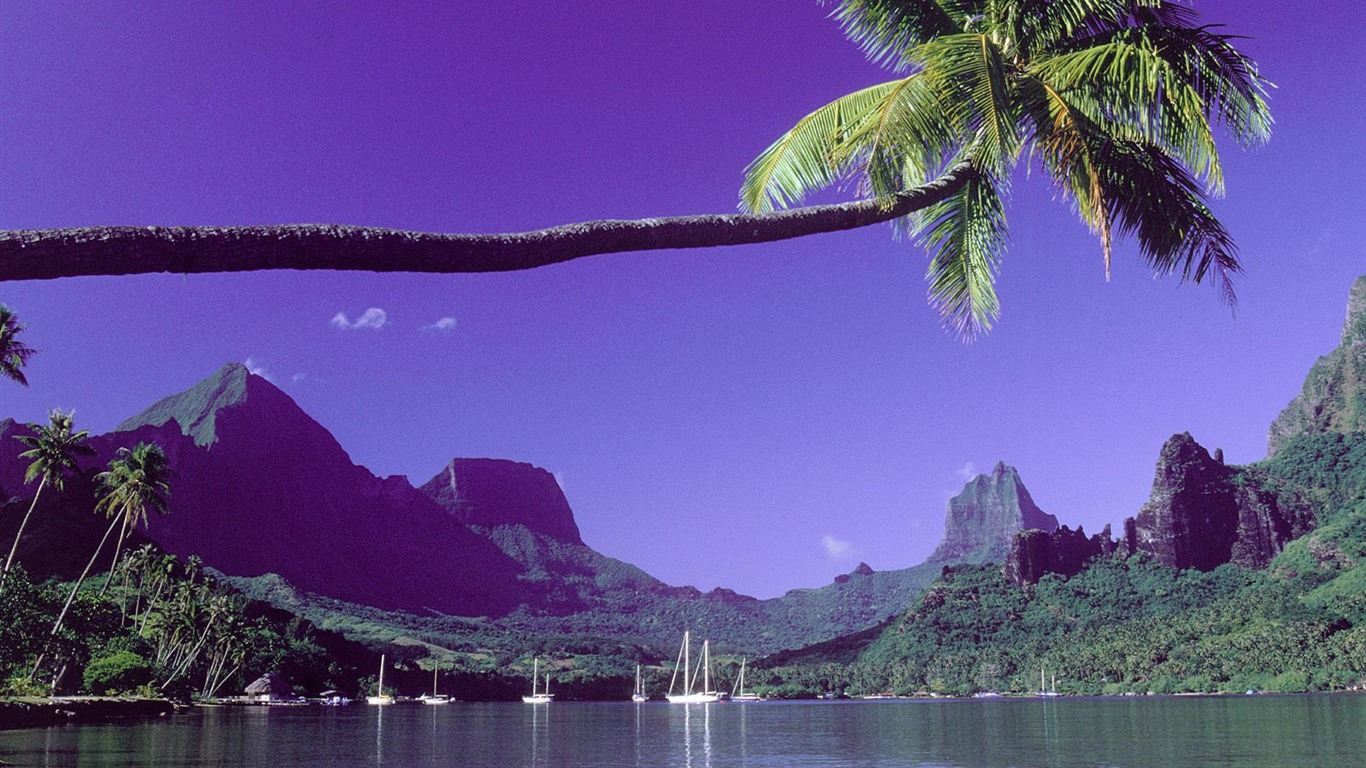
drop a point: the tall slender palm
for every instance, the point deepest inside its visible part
(135, 482)
(14, 354)
(1115, 100)
(54, 449)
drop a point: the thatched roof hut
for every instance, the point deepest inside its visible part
(270, 686)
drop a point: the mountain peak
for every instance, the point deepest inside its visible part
(1354, 330)
(1333, 398)
(984, 518)
(196, 409)
(493, 492)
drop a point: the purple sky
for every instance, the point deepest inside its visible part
(759, 417)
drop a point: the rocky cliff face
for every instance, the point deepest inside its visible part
(984, 518)
(1334, 395)
(1063, 552)
(1202, 514)
(493, 492)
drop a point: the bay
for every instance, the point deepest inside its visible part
(1243, 731)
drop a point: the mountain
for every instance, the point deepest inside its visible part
(1229, 578)
(265, 495)
(986, 515)
(1333, 398)
(489, 493)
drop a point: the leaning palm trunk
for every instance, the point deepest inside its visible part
(191, 656)
(118, 548)
(71, 598)
(52, 253)
(15, 547)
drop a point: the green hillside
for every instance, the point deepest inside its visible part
(1130, 625)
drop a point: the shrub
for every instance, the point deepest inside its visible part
(116, 673)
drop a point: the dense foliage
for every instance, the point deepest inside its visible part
(162, 627)
(1130, 625)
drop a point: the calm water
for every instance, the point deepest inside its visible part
(1246, 732)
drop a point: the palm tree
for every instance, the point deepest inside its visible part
(1114, 99)
(135, 482)
(53, 449)
(14, 354)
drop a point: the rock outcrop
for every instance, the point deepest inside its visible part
(1333, 398)
(1202, 513)
(1063, 552)
(984, 518)
(493, 492)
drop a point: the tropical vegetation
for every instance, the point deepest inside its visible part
(165, 628)
(1130, 625)
(54, 449)
(14, 353)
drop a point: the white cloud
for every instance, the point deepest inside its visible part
(254, 366)
(374, 318)
(967, 472)
(837, 549)
(445, 324)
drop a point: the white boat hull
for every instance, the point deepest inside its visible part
(694, 698)
(379, 700)
(540, 698)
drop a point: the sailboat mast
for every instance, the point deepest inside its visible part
(687, 664)
(706, 666)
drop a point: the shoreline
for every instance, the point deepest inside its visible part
(41, 711)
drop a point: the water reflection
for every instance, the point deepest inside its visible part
(379, 735)
(540, 734)
(703, 747)
(1248, 732)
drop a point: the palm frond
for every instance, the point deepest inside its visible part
(1126, 86)
(1041, 25)
(1228, 83)
(887, 29)
(1064, 139)
(805, 158)
(966, 235)
(972, 78)
(905, 140)
(14, 353)
(1158, 201)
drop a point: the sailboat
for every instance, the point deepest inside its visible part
(382, 698)
(687, 696)
(638, 695)
(1048, 692)
(435, 698)
(539, 698)
(738, 692)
